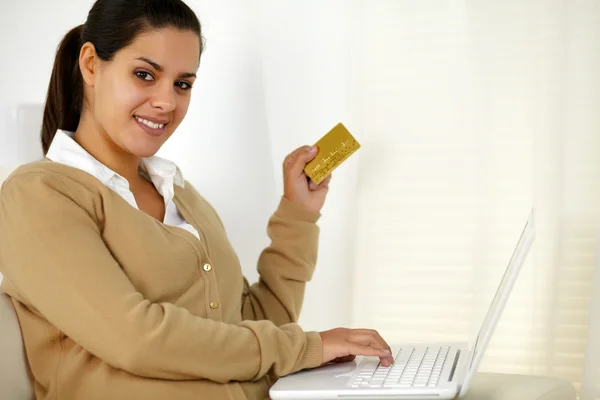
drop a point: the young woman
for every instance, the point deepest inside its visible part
(122, 276)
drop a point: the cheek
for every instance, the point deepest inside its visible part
(120, 97)
(182, 108)
(128, 96)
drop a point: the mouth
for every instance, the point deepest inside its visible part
(154, 128)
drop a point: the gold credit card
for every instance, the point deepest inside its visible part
(336, 146)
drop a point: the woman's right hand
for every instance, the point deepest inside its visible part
(344, 344)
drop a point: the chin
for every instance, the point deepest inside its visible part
(145, 153)
(143, 150)
(142, 145)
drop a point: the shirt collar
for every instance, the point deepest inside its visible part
(158, 167)
(65, 150)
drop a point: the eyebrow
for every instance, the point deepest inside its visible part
(160, 69)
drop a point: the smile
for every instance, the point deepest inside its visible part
(152, 128)
(150, 123)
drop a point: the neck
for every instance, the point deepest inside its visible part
(96, 141)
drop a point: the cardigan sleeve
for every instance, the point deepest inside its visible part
(285, 266)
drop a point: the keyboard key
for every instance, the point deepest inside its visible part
(417, 367)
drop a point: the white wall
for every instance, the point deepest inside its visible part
(311, 76)
(266, 85)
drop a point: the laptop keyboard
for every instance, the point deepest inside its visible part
(413, 367)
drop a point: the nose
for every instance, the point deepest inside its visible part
(164, 98)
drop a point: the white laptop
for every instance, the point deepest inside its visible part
(423, 371)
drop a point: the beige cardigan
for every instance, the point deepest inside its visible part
(114, 304)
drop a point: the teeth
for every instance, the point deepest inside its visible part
(150, 123)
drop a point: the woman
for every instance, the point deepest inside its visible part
(123, 279)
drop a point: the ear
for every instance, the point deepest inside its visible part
(88, 60)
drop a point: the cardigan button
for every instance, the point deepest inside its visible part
(214, 305)
(207, 267)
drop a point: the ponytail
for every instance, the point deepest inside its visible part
(64, 100)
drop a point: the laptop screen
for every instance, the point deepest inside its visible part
(501, 296)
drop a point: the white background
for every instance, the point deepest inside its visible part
(469, 113)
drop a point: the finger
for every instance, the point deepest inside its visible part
(294, 163)
(387, 358)
(369, 338)
(383, 355)
(325, 182)
(357, 349)
(312, 185)
(374, 336)
(300, 149)
(323, 185)
(386, 361)
(291, 158)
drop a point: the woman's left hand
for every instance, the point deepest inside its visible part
(297, 187)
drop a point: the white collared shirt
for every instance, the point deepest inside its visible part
(164, 174)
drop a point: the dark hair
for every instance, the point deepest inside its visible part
(111, 25)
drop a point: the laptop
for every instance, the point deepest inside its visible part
(421, 371)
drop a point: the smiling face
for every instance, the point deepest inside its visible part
(141, 96)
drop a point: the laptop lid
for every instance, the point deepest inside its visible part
(502, 293)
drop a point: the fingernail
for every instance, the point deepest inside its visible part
(312, 149)
(387, 351)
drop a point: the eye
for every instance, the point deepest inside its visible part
(183, 85)
(144, 75)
